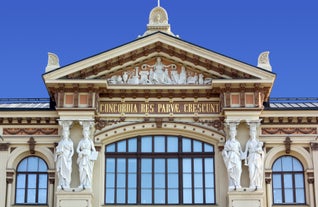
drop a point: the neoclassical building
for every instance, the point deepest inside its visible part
(159, 121)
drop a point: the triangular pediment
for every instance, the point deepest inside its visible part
(159, 59)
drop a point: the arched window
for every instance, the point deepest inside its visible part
(32, 181)
(159, 170)
(288, 181)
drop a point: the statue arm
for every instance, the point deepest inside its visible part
(72, 151)
(93, 146)
(78, 149)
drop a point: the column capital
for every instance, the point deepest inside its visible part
(87, 123)
(254, 123)
(232, 122)
(314, 146)
(65, 123)
(4, 146)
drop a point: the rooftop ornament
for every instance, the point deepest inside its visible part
(158, 21)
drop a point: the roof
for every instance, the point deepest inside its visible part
(25, 104)
(292, 104)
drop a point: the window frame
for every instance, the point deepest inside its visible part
(27, 174)
(179, 155)
(282, 175)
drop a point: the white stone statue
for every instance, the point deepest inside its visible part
(232, 154)
(86, 156)
(254, 158)
(53, 62)
(63, 157)
(263, 61)
(159, 74)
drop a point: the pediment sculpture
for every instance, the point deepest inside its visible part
(159, 74)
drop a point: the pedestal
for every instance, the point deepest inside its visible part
(246, 197)
(74, 197)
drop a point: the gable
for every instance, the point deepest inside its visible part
(153, 45)
(160, 60)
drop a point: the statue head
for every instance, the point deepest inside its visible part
(86, 132)
(66, 132)
(232, 132)
(253, 132)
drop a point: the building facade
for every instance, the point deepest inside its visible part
(158, 121)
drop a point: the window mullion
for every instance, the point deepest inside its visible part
(192, 178)
(283, 187)
(166, 180)
(116, 176)
(26, 187)
(180, 179)
(138, 193)
(294, 187)
(153, 179)
(180, 170)
(126, 177)
(203, 180)
(37, 187)
(138, 170)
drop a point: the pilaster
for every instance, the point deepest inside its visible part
(314, 149)
(3, 183)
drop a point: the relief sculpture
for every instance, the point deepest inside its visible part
(159, 74)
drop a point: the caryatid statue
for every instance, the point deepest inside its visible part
(232, 154)
(86, 156)
(254, 157)
(63, 156)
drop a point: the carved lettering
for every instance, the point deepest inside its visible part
(147, 108)
(159, 108)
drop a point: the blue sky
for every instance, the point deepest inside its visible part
(75, 30)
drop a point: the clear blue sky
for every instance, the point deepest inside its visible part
(75, 30)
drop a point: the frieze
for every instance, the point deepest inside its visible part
(288, 130)
(135, 107)
(4, 146)
(100, 124)
(159, 74)
(30, 131)
(217, 124)
(314, 146)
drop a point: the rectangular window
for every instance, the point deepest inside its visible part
(83, 100)
(235, 100)
(249, 100)
(68, 100)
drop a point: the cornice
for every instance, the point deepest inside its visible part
(290, 119)
(28, 121)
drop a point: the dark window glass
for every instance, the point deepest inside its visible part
(32, 181)
(288, 181)
(159, 170)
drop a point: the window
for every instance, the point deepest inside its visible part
(288, 181)
(159, 170)
(32, 181)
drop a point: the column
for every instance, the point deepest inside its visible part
(10, 175)
(87, 155)
(3, 159)
(254, 156)
(268, 180)
(63, 156)
(310, 180)
(314, 149)
(82, 195)
(51, 188)
(232, 156)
